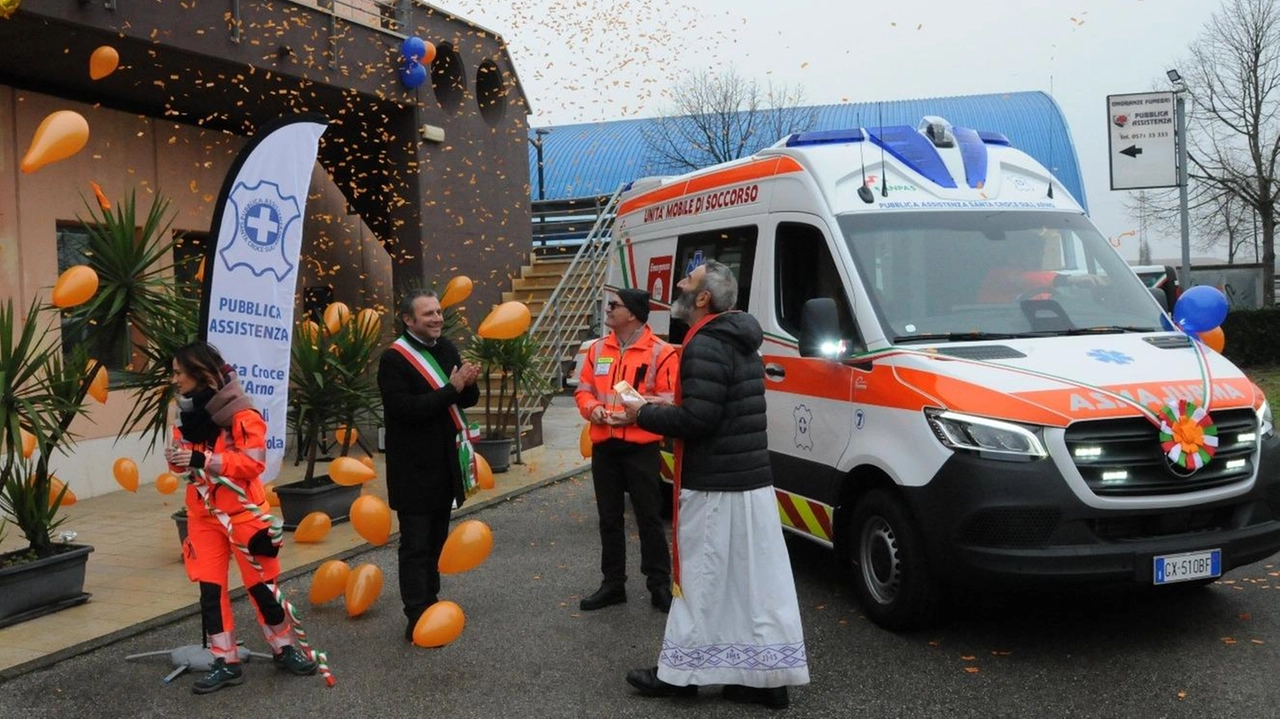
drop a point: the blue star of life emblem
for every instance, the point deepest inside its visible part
(694, 263)
(263, 217)
(1110, 356)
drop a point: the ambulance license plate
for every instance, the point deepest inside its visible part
(1172, 568)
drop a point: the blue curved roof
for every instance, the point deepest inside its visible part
(591, 159)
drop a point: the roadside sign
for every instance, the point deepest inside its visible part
(1142, 143)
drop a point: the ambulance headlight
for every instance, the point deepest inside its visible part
(1266, 425)
(990, 438)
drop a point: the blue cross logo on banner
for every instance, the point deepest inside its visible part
(263, 217)
(694, 263)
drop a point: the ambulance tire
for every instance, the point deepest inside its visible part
(890, 572)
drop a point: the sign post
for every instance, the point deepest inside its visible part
(1142, 146)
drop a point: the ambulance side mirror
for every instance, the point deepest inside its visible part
(820, 329)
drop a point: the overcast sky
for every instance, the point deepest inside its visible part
(587, 60)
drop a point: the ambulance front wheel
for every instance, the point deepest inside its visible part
(890, 574)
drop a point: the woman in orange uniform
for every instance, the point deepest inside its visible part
(221, 433)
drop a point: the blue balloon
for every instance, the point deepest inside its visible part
(1200, 309)
(412, 74)
(413, 48)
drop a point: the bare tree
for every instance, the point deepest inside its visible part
(1233, 78)
(720, 117)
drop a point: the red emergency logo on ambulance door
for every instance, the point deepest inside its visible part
(659, 284)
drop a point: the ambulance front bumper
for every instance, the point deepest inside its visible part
(989, 521)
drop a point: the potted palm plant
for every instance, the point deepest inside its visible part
(44, 385)
(332, 386)
(507, 377)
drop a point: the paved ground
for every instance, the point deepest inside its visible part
(528, 651)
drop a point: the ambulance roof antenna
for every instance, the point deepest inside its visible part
(884, 169)
(1051, 144)
(864, 192)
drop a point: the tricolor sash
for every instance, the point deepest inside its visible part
(430, 370)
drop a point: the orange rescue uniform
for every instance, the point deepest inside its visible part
(648, 364)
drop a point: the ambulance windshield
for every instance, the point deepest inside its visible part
(969, 274)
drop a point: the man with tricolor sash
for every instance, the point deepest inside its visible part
(425, 386)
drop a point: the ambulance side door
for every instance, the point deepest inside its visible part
(810, 399)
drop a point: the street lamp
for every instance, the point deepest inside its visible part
(537, 145)
(1180, 111)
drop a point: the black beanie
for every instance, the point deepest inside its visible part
(637, 301)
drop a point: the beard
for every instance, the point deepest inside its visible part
(682, 308)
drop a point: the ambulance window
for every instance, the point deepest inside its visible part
(733, 246)
(805, 269)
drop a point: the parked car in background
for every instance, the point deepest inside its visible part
(1159, 277)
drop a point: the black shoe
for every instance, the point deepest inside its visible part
(775, 698)
(295, 662)
(222, 675)
(648, 683)
(603, 597)
(408, 630)
(661, 598)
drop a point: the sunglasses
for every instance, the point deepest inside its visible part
(613, 305)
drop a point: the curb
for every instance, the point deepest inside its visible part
(194, 608)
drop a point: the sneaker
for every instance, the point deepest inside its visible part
(294, 661)
(222, 675)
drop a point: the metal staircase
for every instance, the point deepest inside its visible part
(572, 313)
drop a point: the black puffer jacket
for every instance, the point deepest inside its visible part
(721, 415)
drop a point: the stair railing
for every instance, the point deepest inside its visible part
(556, 330)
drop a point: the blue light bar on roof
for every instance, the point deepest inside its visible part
(825, 137)
(993, 138)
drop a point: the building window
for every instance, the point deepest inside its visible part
(112, 349)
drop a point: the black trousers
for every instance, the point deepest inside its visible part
(619, 468)
(422, 536)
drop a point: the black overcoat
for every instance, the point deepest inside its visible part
(423, 474)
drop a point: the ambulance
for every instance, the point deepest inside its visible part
(966, 384)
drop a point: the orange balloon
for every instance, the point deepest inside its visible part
(584, 441)
(369, 322)
(103, 62)
(363, 587)
(439, 625)
(367, 461)
(459, 288)
(428, 55)
(28, 443)
(126, 473)
(341, 434)
(467, 547)
(371, 518)
(98, 388)
(335, 316)
(310, 331)
(507, 321)
(1215, 339)
(484, 473)
(75, 286)
(329, 581)
(167, 483)
(349, 471)
(59, 136)
(313, 527)
(55, 486)
(273, 499)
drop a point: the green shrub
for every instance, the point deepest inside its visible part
(1252, 337)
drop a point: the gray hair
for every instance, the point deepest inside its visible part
(722, 285)
(406, 302)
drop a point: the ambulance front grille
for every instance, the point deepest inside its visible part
(1123, 457)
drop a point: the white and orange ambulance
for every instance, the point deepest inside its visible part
(966, 383)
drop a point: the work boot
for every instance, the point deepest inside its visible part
(603, 597)
(294, 661)
(222, 675)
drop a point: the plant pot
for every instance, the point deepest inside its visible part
(180, 519)
(298, 500)
(497, 452)
(32, 589)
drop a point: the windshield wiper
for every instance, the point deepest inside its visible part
(955, 337)
(1105, 330)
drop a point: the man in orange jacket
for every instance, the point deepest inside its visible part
(625, 458)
